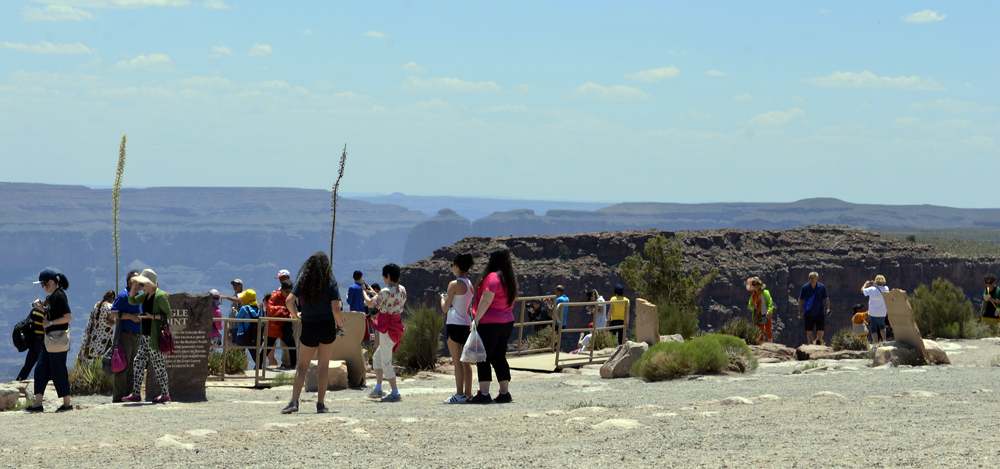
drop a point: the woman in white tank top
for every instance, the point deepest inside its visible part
(455, 303)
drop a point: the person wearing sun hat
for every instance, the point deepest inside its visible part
(247, 334)
(761, 307)
(155, 311)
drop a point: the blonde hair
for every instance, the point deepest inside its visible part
(756, 281)
(879, 280)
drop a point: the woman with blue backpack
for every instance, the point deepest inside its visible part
(247, 334)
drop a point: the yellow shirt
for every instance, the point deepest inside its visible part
(618, 310)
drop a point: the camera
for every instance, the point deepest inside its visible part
(36, 304)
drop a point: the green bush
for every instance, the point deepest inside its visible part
(237, 361)
(540, 339)
(89, 378)
(215, 363)
(283, 379)
(943, 311)
(418, 349)
(740, 327)
(677, 320)
(709, 353)
(603, 340)
(846, 339)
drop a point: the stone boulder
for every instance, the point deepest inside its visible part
(336, 380)
(934, 354)
(773, 353)
(8, 396)
(672, 338)
(897, 353)
(622, 360)
(806, 352)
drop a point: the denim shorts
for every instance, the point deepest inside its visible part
(876, 324)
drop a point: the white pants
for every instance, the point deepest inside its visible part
(382, 360)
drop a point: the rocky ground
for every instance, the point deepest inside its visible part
(840, 413)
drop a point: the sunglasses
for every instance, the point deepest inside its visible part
(142, 285)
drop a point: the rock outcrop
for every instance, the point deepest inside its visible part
(443, 229)
(900, 354)
(8, 397)
(622, 360)
(844, 257)
(336, 380)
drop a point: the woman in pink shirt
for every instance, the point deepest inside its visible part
(494, 321)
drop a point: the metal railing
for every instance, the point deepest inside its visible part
(593, 329)
(520, 324)
(259, 351)
(557, 332)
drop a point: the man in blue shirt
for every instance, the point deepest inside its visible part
(559, 313)
(128, 333)
(355, 300)
(814, 304)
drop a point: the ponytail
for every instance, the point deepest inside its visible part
(61, 280)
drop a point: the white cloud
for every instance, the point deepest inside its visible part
(824, 11)
(375, 34)
(714, 73)
(505, 109)
(55, 13)
(412, 67)
(126, 4)
(925, 16)
(145, 62)
(594, 92)
(905, 121)
(776, 117)
(449, 85)
(949, 105)
(868, 79)
(216, 5)
(307, 32)
(204, 82)
(219, 52)
(48, 48)
(743, 98)
(260, 50)
(521, 89)
(654, 75)
(58, 80)
(695, 114)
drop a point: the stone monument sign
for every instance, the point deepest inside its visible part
(187, 368)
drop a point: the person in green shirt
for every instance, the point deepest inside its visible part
(991, 298)
(155, 311)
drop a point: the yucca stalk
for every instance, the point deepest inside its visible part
(116, 194)
(336, 187)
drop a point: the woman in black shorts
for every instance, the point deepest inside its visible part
(315, 300)
(455, 303)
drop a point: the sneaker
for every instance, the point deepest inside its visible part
(376, 394)
(64, 408)
(321, 408)
(161, 400)
(392, 397)
(456, 399)
(34, 409)
(293, 406)
(480, 398)
(132, 398)
(503, 398)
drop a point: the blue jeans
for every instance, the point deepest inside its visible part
(52, 366)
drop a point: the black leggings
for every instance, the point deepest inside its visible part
(619, 332)
(285, 340)
(495, 338)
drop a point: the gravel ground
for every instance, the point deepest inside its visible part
(840, 414)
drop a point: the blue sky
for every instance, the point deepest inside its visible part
(869, 102)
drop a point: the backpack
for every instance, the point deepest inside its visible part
(23, 334)
(250, 333)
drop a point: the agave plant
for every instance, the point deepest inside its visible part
(336, 187)
(116, 193)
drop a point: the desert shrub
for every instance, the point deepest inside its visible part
(215, 363)
(237, 361)
(603, 340)
(418, 349)
(541, 338)
(283, 379)
(677, 320)
(709, 353)
(88, 378)
(846, 339)
(743, 329)
(943, 311)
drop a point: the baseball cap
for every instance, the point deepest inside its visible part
(235, 281)
(45, 276)
(283, 273)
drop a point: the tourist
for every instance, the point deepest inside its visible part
(237, 301)
(215, 335)
(537, 312)
(455, 303)
(129, 330)
(355, 293)
(247, 332)
(601, 319)
(286, 359)
(155, 312)
(584, 339)
(317, 289)
(389, 323)
(877, 310)
(618, 312)
(991, 298)
(494, 321)
(276, 308)
(859, 322)
(98, 335)
(36, 340)
(762, 307)
(52, 365)
(283, 275)
(814, 305)
(559, 314)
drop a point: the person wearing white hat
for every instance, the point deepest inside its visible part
(155, 312)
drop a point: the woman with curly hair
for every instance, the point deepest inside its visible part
(315, 301)
(494, 321)
(99, 332)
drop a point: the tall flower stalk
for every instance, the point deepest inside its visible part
(116, 194)
(336, 187)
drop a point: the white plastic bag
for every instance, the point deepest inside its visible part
(474, 351)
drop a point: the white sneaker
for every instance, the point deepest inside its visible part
(456, 399)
